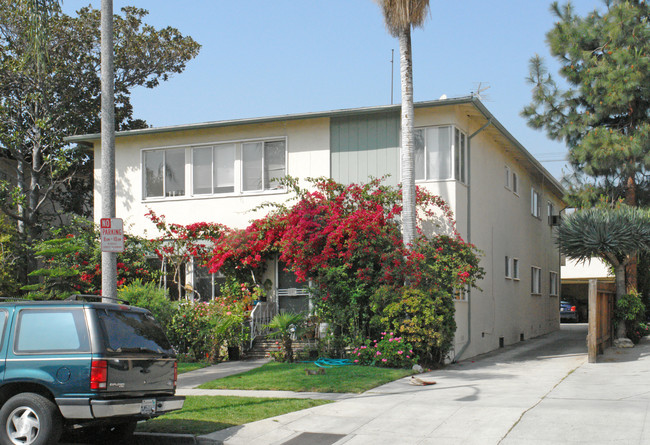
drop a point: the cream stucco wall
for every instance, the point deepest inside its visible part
(496, 220)
(307, 156)
(502, 225)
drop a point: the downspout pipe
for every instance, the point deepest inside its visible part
(469, 234)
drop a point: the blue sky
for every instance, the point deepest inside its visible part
(273, 57)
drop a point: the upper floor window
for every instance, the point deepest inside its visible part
(508, 181)
(535, 203)
(164, 173)
(213, 169)
(440, 153)
(515, 183)
(263, 164)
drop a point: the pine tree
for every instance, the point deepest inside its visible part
(604, 114)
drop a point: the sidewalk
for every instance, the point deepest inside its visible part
(541, 391)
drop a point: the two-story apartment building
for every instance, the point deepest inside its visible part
(503, 199)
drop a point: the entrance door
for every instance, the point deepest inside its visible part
(292, 296)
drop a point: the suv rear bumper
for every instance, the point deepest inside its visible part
(84, 408)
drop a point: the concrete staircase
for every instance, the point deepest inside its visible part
(262, 346)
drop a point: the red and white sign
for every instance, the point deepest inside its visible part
(112, 234)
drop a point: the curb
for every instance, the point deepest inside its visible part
(172, 439)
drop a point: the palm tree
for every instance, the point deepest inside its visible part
(285, 325)
(614, 235)
(400, 16)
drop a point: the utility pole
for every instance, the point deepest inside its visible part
(392, 69)
(109, 259)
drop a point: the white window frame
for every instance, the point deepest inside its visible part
(515, 183)
(508, 268)
(143, 164)
(213, 147)
(508, 178)
(457, 155)
(272, 187)
(550, 209)
(535, 280)
(460, 294)
(535, 203)
(515, 269)
(553, 284)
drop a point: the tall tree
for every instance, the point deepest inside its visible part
(400, 16)
(614, 235)
(604, 114)
(43, 101)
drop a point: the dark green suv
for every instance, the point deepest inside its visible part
(81, 366)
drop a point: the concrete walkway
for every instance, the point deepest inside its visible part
(541, 391)
(193, 379)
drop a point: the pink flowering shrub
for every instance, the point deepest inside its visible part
(388, 352)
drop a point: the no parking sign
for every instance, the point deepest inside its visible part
(112, 234)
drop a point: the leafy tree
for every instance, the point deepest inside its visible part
(614, 235)
(9, 257)
(44, 100)
(71, 262)
(400, 16)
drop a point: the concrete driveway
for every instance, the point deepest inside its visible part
(540, 391)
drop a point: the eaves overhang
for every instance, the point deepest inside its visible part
(470, 102)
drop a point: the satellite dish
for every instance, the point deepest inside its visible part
(443, 97)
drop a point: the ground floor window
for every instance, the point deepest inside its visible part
(535, 280)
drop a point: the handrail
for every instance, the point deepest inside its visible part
(261, 315)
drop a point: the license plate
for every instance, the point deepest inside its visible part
(148, 406)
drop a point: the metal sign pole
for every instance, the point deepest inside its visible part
(109, 259)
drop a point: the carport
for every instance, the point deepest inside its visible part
(591, 288)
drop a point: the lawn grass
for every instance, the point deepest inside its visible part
(292, 377)
(187, 367)
(206, 414)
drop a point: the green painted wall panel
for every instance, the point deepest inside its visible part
(365, 145)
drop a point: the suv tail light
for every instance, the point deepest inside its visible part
(175, 373)
(573, 308)
(98, 374)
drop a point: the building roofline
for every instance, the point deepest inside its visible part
(89, 139)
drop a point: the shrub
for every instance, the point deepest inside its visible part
(631, 311)
(149, 296)
(388, 352)
(423, 318)
(203, 330)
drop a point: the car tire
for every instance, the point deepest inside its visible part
(30, 419)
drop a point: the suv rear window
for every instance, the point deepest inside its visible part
(129, 331)
(51, 330)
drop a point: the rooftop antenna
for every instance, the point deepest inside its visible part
(392, 64)
(482, 86)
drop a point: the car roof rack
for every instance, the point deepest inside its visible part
(78, 297)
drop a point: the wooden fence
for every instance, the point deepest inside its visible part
(601, 315)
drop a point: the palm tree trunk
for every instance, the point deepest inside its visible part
(407, 155)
